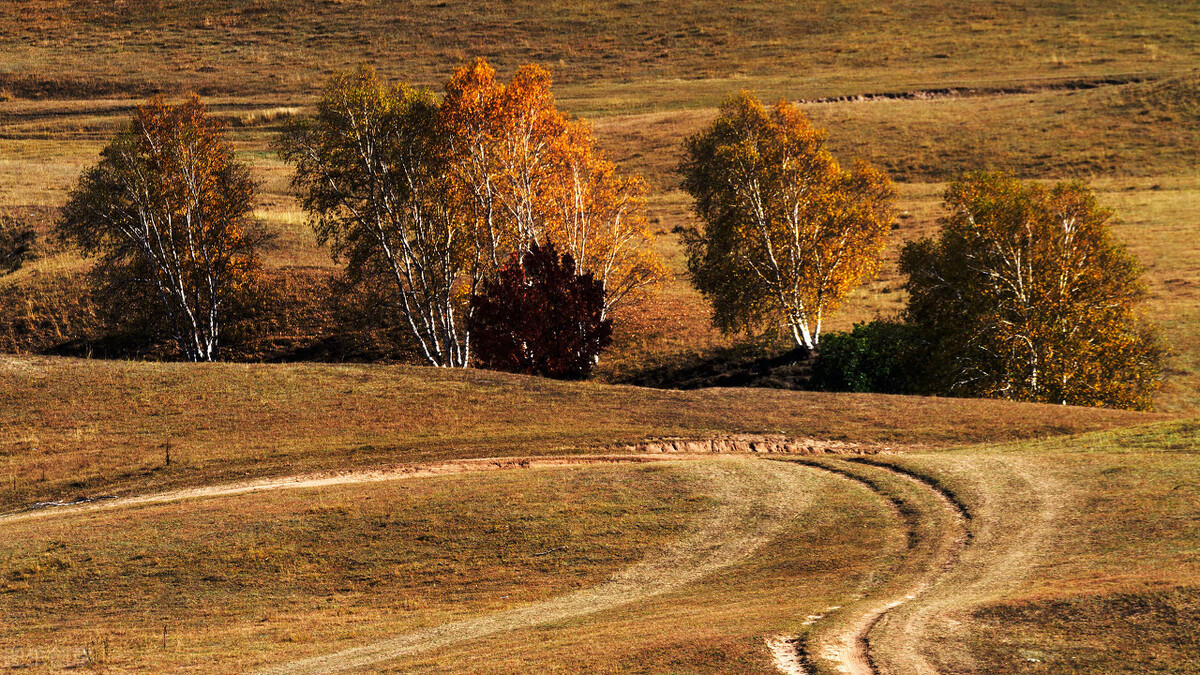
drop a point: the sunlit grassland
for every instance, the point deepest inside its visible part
(240, 581)
(1100, 535)
(845, 546)
(70, 426)
(697, 48)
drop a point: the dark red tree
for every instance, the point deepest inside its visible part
(539, 317)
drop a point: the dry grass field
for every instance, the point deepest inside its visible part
(1031, 538)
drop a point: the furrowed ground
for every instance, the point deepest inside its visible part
(1082, 548)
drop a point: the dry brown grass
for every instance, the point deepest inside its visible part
(649, 54)
(1083, 555)
(259, 578)
(833, 552)
(76, 426)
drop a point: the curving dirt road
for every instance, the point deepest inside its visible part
(933, 551)
(330, 479)
(756, 499)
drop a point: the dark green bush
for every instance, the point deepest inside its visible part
(17, 244)
(883, 356)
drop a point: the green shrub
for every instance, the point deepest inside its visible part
(883, 356)
(17, 243)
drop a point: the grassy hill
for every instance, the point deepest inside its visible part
(1077, 551)
(1061, 91)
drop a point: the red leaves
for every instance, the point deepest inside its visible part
(539, 317)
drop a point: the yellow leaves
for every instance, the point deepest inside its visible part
(440, 194)
(167, 206)
(1028, 297)
(531, 175)
(788, 232)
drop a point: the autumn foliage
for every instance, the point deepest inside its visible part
(538, 316)
(432, 197)
(1026, 295)
(787, 232)
(167, 210)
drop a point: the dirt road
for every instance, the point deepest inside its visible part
(310, 481)
(756, 499)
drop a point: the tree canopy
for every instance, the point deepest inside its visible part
(167, 209)
(787, 232)
(538, 316)
(437, 195)
(1026, 295)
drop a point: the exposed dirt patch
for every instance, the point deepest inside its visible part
(755, 444)
(962, 92)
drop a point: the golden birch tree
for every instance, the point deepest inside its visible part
(1026, 295)
(787, 232)
(167, 209)
(371, 169)
(436, 196)
(599, 218)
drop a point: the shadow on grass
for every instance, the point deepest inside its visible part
(738, 366)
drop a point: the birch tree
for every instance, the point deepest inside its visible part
(599, 219)
(787, 233)
(167, 209)
(435, 196)
(1026, 295)
(530, 175)
(370, 169)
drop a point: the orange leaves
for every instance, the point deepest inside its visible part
(437, 195)
(788, 233)
(504, 141)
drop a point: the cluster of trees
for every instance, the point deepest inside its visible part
(500, 236)
(424, 197)
(434, 196)
(1023, 295)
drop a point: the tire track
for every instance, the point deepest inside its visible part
(850, 649)
(1002, 553)
(319, 480)
(757, 499)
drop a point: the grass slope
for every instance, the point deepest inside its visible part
(1083, 559)
(76, 426)
(696, 49)
(255, 578)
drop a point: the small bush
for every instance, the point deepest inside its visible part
(539, 317)
(882, 356)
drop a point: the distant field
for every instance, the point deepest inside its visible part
(617, 54)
